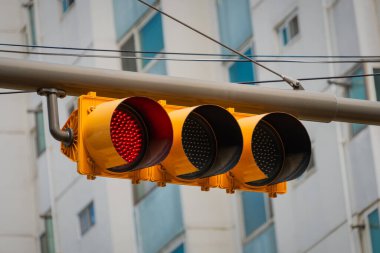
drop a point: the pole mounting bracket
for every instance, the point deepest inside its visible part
(294, 83)
(65, 136)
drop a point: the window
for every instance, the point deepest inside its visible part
(288, 30)
(179, 249)
(258, 223)
(40, 131)
(31, 29)
(142, 189)
(373, 224)
(87, 218)
(235, 25)
(127, 13)
(242, 71)
(377, 83)
(66, 4)
(47, 238)
(357, 90)
(147, 38)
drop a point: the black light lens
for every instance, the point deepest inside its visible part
(212, 141)
(198, 141)
(267, 149)
(281, 148)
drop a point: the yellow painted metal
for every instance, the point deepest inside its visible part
(89, 108)
(98, 136)
(247, 170)
(176, 163)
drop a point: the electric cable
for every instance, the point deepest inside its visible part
(15, 92)
(188, 59)
(187, 53)
(312, 78)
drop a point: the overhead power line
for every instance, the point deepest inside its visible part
(187, 59)
(191, 54)
(15, 92)
(311, 78)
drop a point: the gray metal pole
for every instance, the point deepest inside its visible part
(74, 80)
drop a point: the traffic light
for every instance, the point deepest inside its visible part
(140, 139)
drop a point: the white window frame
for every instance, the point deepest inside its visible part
(135, 33)
(365, 233)
(285, 23)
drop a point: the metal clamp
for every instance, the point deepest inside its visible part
(294, 83)
(65, 136)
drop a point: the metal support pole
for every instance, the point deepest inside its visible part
(306, 105)
(66, 136)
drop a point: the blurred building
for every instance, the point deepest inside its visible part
(334, 207)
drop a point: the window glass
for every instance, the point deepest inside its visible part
(242, 71)
(179, 249)
(158, 68)
(32, 25)
(357, 90)
(377, 83)
(288, 30)
(40, 131)
(235, 25)
(66, 4)
(47, 238)
(293, 27)
(87, 218)
(374, 229)
(263, 243)
(129, 64)
(127, 13)
(254, 211)
(151, 37)
(284, 36)
(142, 189)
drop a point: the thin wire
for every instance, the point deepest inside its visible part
(186, 53)
(15, 92)
(212, 39)
(192, 54)
(311, 78)
(191, 60)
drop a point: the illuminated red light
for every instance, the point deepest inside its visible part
(126, 135)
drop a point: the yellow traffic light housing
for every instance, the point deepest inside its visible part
(118, 136)
(208, 146)
(207, 142)
(276, 149)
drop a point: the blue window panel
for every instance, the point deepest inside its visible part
(357, 91)
(285, 39)
(374, 229)
(159, 218)
(253, 211)
(126, 13)
(377, 83)
(263, 243)
(159, 68)
(242, 71)
(151, 37)
(179, 249)
(32, 23)
(235, 25)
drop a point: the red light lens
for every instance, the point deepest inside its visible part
(127, 135)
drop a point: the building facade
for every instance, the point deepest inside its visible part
(333, 207)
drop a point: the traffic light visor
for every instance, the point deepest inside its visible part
(128, 134)
(277, 148)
